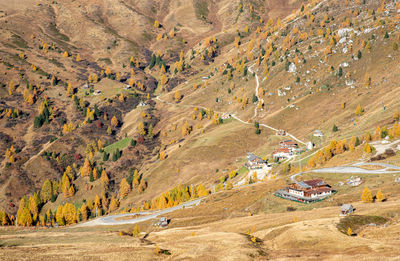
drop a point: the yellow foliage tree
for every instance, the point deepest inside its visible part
(104, 178)
(349, 232)
(368, 148)
(202, 191)
(114, 121)
(124, 188)
(380, 196)
(86, 169)
(177, 96)
(69, 214)
(59, 216)
(186, 129)
(113, 204)
(141, 129)
(359, 110)
(121, 98)
(366, 196)
(162, 155)
(136, 231)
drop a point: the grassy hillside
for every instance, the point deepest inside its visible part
(154, 79)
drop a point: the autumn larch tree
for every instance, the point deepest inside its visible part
(69, 172)
(186, 129)
(366, 196)
(121, 98)
(97, 205)
(380, 196)
(59, 216)
(113, 204)
(69, 214)
(25, 218)
(114, 121)
(46, 191)
(162, 155)
(177, 96)
(141, 129)
(22, 204)
(33, 206)
(136, 231)
(202, 191)
(359, 110)
(349, 232)
(150, 131)
(104, 178)
(86, 169)
(368, 148)
(142, 185)
(124, 188)
(84, 212)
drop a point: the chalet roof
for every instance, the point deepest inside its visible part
(252, 157)
(282, 150)
(318, 190)
(303, 185)
(289, 142)
(315, 182)
(323, 189)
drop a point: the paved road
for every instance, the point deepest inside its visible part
(382, 147)
(146, 215)
(354, 169)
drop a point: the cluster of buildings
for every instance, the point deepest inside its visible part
(306, 191)
(286, 149)
(256, 163)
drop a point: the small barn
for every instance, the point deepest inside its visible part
(318, 133)
(346, 209)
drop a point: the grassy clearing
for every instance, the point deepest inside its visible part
(121, 144)
(356, 222)
(201, 9)
(242, 170)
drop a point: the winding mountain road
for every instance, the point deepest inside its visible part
(146, 215)
(354, 169)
